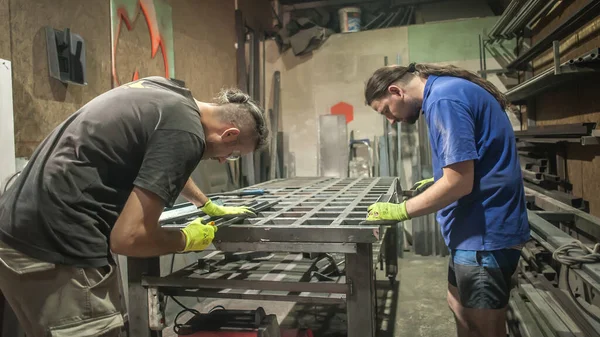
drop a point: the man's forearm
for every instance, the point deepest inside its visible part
(193, 194)
(164, 241)
(146, 242)
(439, 195)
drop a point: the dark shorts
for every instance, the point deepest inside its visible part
(483, 278)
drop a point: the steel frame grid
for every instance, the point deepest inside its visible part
(326, 210)
(304, 215)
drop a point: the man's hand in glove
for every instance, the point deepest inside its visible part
(212, 209)
(422, 185)
(382, 211)
(198, 235)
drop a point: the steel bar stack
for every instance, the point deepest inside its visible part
(551, 299)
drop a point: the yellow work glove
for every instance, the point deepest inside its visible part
(422, 185)
(382, 211)
(212, 209)
(198, 235)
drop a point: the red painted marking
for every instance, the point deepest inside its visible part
(345, 109)
(156, 39)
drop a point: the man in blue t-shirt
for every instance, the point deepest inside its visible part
(478, 188)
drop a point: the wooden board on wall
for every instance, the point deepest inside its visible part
(5, 30)
(204, 41)
(204, 44)
(575, 102)
(574, 45)
(41, 102)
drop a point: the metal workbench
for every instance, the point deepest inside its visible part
(298, 216)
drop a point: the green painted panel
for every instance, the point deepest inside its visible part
(447, 41)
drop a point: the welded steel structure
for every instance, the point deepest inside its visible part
(301, 223)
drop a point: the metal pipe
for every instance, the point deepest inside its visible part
(506, 16)
(541, 13)
(571, 24)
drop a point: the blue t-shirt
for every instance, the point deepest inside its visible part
(467, 123)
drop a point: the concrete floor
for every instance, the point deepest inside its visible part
(420, 310)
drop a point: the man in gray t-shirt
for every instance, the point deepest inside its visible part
(98, 183)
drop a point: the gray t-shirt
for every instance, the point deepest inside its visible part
(64, 204)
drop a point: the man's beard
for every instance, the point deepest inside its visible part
(415, 117)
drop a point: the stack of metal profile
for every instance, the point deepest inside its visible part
(550, 298)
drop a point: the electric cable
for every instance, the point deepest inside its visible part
(583, 254)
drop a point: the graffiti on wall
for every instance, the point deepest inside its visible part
(158, 17)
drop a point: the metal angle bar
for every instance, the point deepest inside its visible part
(296, 203)
(541, 13)
(584, 221)
(528, 326)
(354, 203)
(306, 247)
(576, 129)
(260, 297)
(586, 13)
(551, 318)
(275, 126)
(556, 216)
(325, 234)
(563, 303)
(168, 281)
(505, 17)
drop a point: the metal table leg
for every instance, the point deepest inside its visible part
(360, 304)
(138, 295)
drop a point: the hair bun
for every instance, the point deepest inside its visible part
(236, 96)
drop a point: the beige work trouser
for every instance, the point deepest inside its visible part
(58, 300)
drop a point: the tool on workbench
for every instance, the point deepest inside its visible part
(221, 322)
(241, 193)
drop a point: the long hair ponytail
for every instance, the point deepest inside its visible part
(382, 78)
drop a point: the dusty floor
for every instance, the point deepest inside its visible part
(420, 310)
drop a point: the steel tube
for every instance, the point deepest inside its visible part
(570, 25)
(324, 287)
(176, 291)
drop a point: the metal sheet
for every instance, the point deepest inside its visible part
(333, 146)
(7, 134)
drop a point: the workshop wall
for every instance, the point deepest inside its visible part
(575, 102)
(40, 103)
(204, 43)
(451, 10)
(4, 27)
(337, 71)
